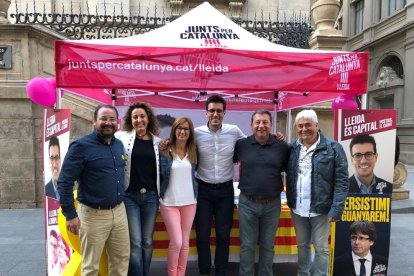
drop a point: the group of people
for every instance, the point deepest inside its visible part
(125, 177)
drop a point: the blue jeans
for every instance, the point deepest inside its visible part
(257, 222)
(217, 202)
(312, 230)
(141, 212)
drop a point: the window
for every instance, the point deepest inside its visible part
(392, 6)
(387, 8)
(395, 64)
(359, 16)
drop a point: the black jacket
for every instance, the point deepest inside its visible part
(344, 266)
(384, 188)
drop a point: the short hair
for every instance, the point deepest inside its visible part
(261, 112)
(216, 99)
(363, 139)
(364, 227)
(54, 141)
(99, 107)
(309, 114)
(153, 125)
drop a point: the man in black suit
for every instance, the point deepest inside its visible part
(364, 157)
(361, 261)
(54, 163)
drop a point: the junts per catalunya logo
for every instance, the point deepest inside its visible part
(342, 65)
(210, 36)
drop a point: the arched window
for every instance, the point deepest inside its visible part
(395, 64)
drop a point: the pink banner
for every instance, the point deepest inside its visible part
(356, 122)
(162, 68)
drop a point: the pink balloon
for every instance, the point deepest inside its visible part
(52, 81)
(42, 91)
(344, 102)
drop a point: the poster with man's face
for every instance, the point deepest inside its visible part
(368, 138)
(54, 153)
(56, 126)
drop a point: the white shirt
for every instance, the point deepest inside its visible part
(357, 263)
(216, 149)
(304, 182)
(180, 189)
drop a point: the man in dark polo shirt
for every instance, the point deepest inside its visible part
(263, 158)
(96, 162)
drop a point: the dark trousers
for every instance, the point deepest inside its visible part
(214, 202)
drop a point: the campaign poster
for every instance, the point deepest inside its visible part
(363, 233)
(56, 127)
(361, 240)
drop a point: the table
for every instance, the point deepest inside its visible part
(285, 239)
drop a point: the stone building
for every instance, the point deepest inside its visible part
(385, 29)
(31, 54)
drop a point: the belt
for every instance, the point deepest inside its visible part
(215, 185)
(101, 207)
(140, 191)
(260, 201)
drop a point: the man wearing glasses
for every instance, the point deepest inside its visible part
(215, 145)
(361, 261)
(54, 163)
(364, 157)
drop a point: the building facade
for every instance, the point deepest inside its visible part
(385, 29)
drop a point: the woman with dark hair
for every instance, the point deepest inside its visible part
(142, 182)
(178, 192)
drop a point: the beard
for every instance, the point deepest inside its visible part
(106, 131)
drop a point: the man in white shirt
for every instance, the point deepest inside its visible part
(215, 144)
(361, 261)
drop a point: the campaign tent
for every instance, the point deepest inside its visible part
(204, 52)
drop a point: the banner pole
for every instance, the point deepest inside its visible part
(58, 104)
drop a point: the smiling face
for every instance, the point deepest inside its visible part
(261, 127)
(307, 131)
(361, 244)
(364, 168)
(54, 162)
(105, 123)
(215, 115)
(182, 132)
(139, 118)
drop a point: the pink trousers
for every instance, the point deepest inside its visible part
(178, 221)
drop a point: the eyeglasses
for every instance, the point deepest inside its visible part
(358, 238)
(185, 129)
(54, 157)
(218, 111)
(367, 155)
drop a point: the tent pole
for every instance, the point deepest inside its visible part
(288, 124)
(58, 104)
(113, 96)
(275, 118)
(364, 101)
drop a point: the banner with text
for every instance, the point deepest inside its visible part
(368, 138)
(56, 129)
